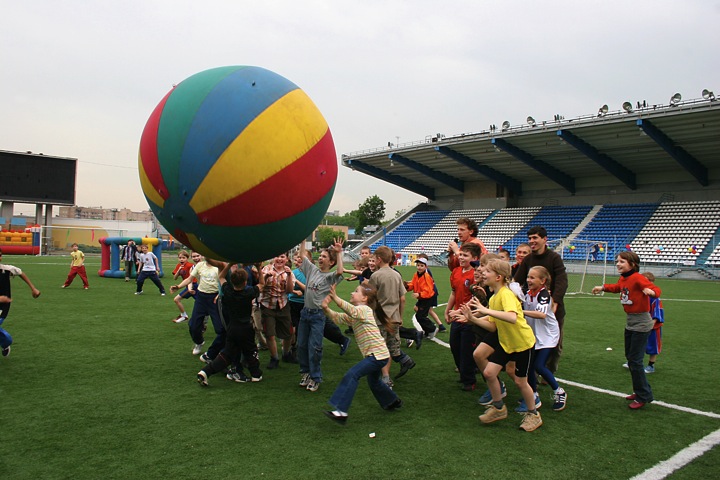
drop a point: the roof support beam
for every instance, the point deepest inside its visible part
(623, 174)
(687, 161)
(381, 174)
(562, 179)
(498, 177)
(441, 177)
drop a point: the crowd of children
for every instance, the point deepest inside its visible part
(495, 325)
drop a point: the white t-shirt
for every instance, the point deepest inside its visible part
(547, 331)
(148, 261)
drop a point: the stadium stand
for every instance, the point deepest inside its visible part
(435, 241)
(678, 232)
(558, 221)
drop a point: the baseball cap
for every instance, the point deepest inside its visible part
(421, 260)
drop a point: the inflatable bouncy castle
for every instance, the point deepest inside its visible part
(110, 264)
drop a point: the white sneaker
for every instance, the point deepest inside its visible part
(180, 318)
(202, 378)
(197, 348)
(138, 293)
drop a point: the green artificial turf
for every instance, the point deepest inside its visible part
(101, 384)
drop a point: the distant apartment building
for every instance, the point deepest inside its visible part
(99, 213)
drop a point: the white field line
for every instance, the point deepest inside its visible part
(680, 459)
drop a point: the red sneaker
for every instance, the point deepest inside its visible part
(631, 397)
(635, 405)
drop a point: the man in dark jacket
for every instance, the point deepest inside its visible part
(544, 257)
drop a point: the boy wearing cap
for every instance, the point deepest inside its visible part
(423, 287)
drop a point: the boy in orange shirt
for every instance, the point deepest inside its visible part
(423, 287)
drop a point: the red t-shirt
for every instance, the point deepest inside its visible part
(460, 283)
(184, 270)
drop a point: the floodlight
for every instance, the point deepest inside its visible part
(627, 106)
(708, 95)
(505, 125)
(530, 121)
(603, 110)
(675, 99)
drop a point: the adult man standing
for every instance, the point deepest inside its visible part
(542, 256)
(467, 231)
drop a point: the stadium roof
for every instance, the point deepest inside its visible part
(682, 138)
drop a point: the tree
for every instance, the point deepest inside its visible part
(326, 236)
(370, 212)
(349, 220)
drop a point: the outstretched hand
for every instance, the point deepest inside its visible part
(338, 244)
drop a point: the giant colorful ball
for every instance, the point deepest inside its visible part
(238, 163)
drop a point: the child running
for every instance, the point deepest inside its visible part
(538, 310)
(182, 271)
(6, 273)
(634, 290)
(514, 343)
(360, 314)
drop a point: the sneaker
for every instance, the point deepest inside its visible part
(559, 400)
(522, 408)
(205, 358)
(180, 318)
(274, 363)
(635, 405)
(304, 380)
(239, 377)
(86, 288)
(493, 414)
(442, 328)
(136, 293)
(127, 279)
(256, 379)
(468, 388)
(632, 396)
(230, 372)
(341, 419)
(162, 294)
(349, 331)
(313, 386)
(409, 343)
(650, 369)
(63, 286)
(6, 351)
(625, 365)
(202, 378)
(289, 358)
(344, 346)
(418, 339)
(406, 367)
(531, 421)
(397, 403)
(197, 348)
(486, 398)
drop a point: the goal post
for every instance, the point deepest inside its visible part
(586, 262)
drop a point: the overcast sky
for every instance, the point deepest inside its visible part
(80, 78)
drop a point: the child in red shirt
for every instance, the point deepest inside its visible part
(634, 290)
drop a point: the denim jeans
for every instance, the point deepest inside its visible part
(205, 305)
(462, 346)
(343, 396)
(635, 343)
(310, 342)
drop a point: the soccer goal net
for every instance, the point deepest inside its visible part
(586, 262)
